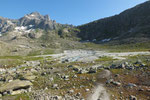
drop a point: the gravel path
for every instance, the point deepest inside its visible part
(100, 93)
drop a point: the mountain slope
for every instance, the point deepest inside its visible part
(35, 32)
(132, 24)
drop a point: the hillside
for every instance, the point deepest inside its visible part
(130, 26)
(35, 33)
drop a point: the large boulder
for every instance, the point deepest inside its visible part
(15, 85)
(75, 67)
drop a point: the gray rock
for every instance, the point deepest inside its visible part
(82, 71)
(87, 90)
(131, 85)
(71, 91)
(0, 95)
(116, 83)
(14, 85)
(132, 97)
(55, 86)
(92, 70)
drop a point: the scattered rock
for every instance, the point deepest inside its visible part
(82, 71)
(71, 91)
(29, 77)
(87, 90)
(131, 85)
(132, 97)
(116, 83)
(55, 86)
(92, 70)
(15, 85)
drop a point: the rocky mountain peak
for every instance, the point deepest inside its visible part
(37, 20)
(47, 17)
(28, 22)
(35, 13)
(33, 16)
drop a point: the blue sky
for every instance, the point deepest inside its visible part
(74, 12)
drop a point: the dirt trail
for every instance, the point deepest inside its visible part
(100, 93)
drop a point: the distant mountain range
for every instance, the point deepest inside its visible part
(35, 31)
(34, 20)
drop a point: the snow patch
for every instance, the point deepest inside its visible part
(94, 40)
(28, 17)
(21, 28)
(31, 26)
(106, 40)
(24, 29)
(9, 22)
(32, 15)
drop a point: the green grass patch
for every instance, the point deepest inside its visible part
(131, 47)
(117, 71)
(41, 52)
(10, 57)
(22, 97)
(105, 58)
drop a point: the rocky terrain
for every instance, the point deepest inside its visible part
(53, 78)
(108, 59)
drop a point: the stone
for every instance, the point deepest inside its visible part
(71, 91)
(116, 83)
(109, 81)
(138, 62)
(29, 89)
(51, 79)
(78, 94)
(132, 97)
(92, 70)
(117, 75)
(87, 90)
(82, 71)
(0, 95)
(15, 85)
(16, 92)
(29, 77)
(55, 85)
(75, 76)
(57, 97)
(74, 67)
(131, 85)
(122, 66)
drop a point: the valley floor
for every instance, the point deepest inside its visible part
(77, 75)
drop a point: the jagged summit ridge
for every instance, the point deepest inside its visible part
(38, 20)
(34, 19)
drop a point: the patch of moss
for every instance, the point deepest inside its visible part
(41, 52)
(22, 97)
(105, 58)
